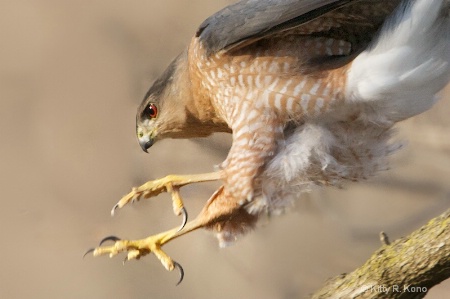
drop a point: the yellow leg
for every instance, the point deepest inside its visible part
(137, 248)
(171, 184)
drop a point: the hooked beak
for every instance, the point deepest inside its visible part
(145, 142)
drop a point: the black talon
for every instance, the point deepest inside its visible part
(181, 272)
(89, 251)
(109, 238)
(185, 218)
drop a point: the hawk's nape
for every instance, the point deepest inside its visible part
(309, 90)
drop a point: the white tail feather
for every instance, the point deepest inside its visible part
(400, 73)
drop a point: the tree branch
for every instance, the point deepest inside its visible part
(406, 268)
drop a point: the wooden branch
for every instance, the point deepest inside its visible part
(406, 268)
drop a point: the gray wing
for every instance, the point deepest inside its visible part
(246, 21)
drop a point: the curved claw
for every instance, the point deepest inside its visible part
(113, 211)
(185, 218)
(109, 238)
(89, 251)
(178, 266)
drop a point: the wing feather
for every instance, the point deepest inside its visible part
(247, 21)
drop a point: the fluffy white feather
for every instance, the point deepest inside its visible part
(316, 154)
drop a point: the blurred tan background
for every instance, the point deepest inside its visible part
(71, 76)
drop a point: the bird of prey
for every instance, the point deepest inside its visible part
(309, 90)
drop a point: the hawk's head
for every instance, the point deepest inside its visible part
(167, 109)
(156, 108)
(170, 110)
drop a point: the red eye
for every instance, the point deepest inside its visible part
(151, 111)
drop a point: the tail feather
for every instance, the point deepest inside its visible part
(403, 69)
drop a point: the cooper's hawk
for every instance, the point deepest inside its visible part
(309, 90)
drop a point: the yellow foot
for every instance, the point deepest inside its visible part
(138, 248)
(210, 215)
(171, 184)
